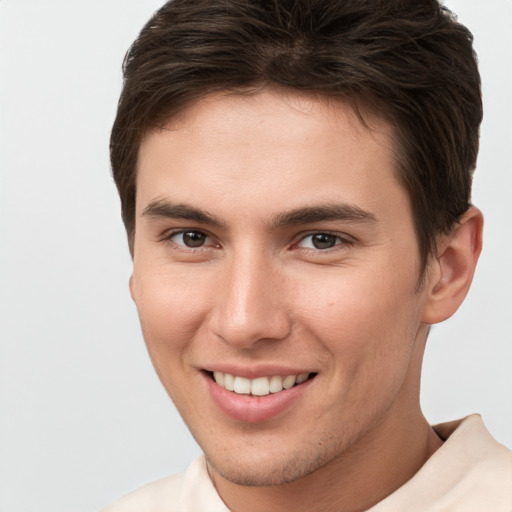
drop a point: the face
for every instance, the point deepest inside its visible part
(275, 276)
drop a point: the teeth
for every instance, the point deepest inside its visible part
(242, 386)
(260, 386)
(276, 384)
(229, 382)
(302, 378)
(219, 378)
(289, 382)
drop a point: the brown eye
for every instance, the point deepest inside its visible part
(190, 238)
(323, 240)
(194, 238)
(320, 241)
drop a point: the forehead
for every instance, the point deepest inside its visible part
(272, 108)
(264, 145)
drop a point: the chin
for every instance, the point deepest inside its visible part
(271, 469)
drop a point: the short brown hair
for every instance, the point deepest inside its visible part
(410, 61)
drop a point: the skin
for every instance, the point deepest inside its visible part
(256, 292)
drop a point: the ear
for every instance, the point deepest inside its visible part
(451, 271)
(130, 285)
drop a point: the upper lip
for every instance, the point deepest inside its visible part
(257, 370)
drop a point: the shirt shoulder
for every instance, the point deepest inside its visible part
(190, 491)
(471, 472)
(152, 497)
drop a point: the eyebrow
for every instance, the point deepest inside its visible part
(324, 212)
(161, 208)
(345, 212)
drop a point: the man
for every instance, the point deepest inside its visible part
(295, 181)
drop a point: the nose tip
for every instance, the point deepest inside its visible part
(243, 331)
(251, 308)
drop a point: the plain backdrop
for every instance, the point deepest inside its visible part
(83, 418)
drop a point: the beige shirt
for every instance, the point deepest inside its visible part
(471, 472)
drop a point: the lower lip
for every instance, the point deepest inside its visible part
(254, 409)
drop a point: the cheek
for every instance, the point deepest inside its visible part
(366, 322)
(171, 310)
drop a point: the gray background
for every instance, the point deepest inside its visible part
(83, 418)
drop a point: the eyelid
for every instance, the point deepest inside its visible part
(343, 238)
(170, 234)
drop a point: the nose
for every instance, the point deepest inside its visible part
(251, 304)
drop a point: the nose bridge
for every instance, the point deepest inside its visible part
(251, 305)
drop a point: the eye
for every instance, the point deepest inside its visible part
(190, 238)
(320, 241)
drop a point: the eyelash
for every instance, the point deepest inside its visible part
(340, 243)
(168, 237)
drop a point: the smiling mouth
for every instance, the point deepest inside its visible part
(261, 386)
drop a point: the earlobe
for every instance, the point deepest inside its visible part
(455, 266)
